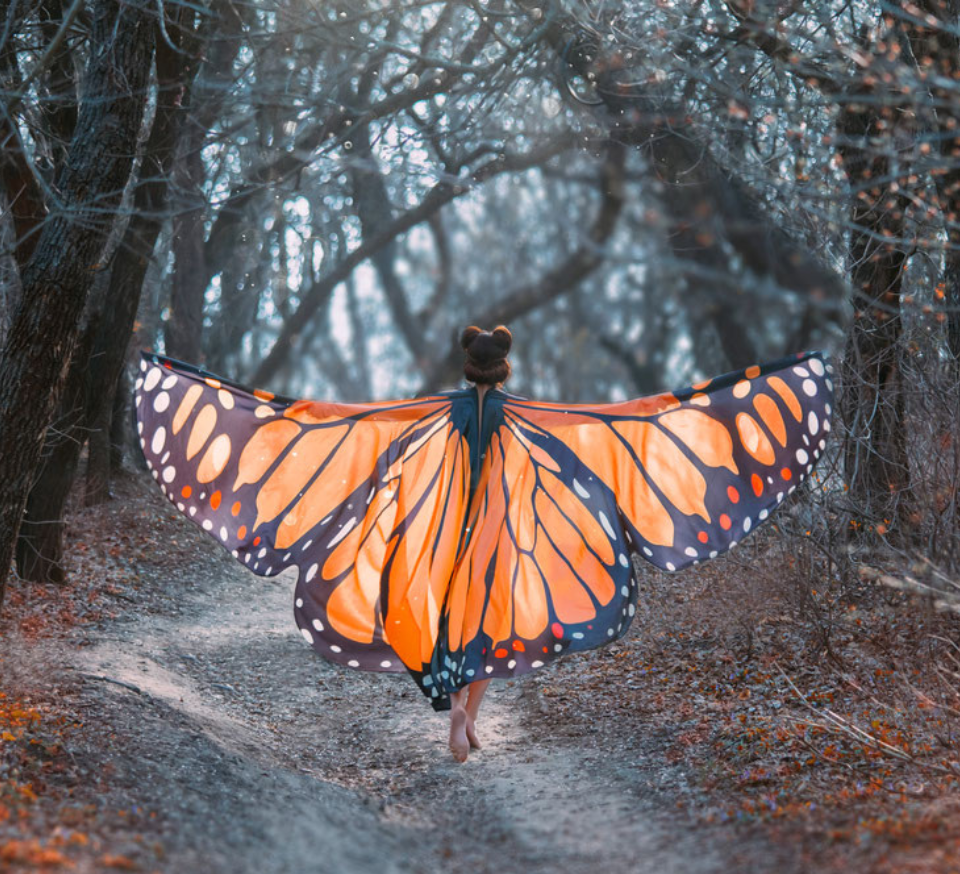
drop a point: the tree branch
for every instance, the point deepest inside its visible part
(555, 282)
(438, 196)
(705, 202)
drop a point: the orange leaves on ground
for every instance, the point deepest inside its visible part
(32, 853)
(15, 717)
(122, 863)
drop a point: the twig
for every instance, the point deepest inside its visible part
(105, 679)
(15, 99)
(844, 726)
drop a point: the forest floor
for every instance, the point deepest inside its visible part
(161, 712)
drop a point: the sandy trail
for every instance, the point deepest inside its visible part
(243, 751)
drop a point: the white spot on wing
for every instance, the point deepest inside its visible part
(605, 522)
(152, 378)
(343, 532)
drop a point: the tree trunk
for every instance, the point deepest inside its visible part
(184, 330)
(97, 480)
(872, 398)
(39, 551)
(122, 430)
(375, 211)
(97, 363)
(105, 446)
(60, 273)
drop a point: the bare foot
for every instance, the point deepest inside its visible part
(472, 734)
(459, 745)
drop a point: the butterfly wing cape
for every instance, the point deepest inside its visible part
(423, 543)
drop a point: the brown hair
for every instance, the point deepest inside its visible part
(487, 351)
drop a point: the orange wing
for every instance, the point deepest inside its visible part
(366, 501)
(369, 502)
(567, 493)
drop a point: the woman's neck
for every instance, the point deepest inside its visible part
(482, 389)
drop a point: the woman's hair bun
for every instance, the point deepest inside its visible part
(486, 362)
(503, 338)
(467, 336)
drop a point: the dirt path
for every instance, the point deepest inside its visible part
(183, 727)
(236, 749)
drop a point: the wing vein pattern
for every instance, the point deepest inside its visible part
(422, 544)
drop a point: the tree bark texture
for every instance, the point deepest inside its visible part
(39, 550)
(60, 273)
(101, 354)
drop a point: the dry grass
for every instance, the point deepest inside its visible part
(803, 696)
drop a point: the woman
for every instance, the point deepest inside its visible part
(486, 366)
(473, 534)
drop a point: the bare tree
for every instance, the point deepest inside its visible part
(65, 260)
